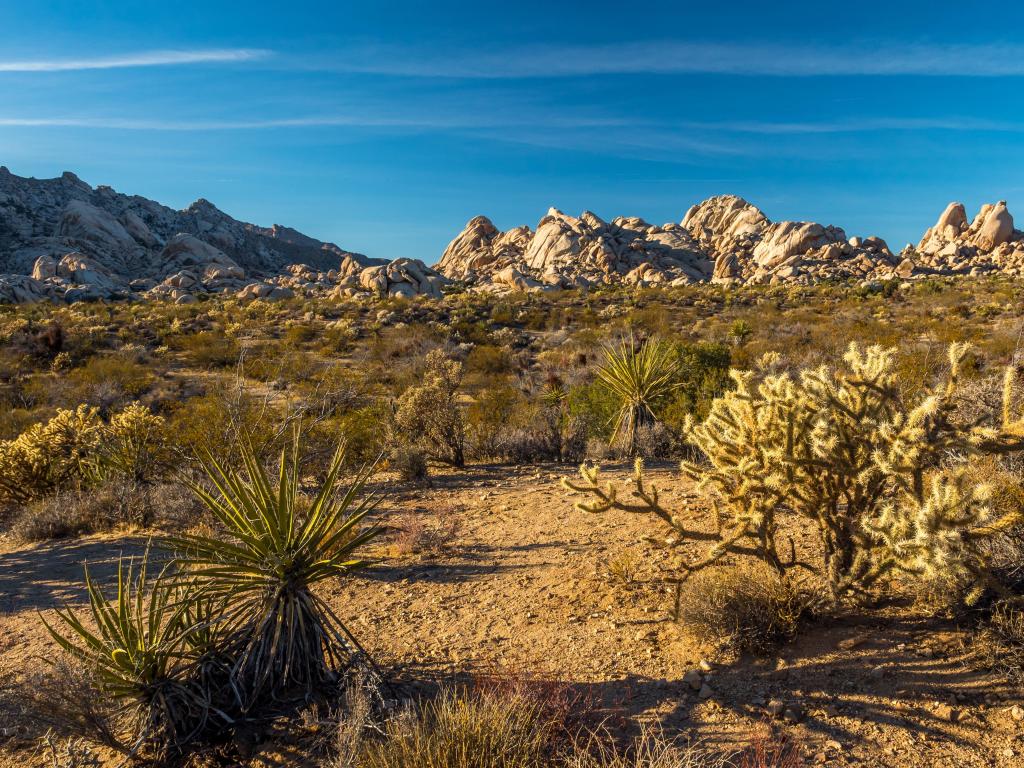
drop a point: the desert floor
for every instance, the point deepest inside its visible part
(522, 584)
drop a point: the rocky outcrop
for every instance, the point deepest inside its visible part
(78, 242)
(723, 239)
(989, 243)
(481, 248)
(565, 252)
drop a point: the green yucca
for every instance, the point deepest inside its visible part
(139, 653)
(281, 636)
(639, 375)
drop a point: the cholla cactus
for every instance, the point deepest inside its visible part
(844, 450)
(135, 445)
(50, 454)
(75, 446)
(428, 413)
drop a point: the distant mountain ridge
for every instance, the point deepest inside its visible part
(63, 240)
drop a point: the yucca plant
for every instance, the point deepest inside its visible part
(259, 574)
(639, 375)
(139, 654)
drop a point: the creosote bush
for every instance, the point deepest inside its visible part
(428, 413)
(849, 453)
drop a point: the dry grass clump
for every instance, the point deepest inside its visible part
(998, 644)
(746, 608)
(428, 532)
(479, 729)
(87, 510)
(768, 748)
(652, 749)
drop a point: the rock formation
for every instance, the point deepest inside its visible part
(62, 240)
(723, 239)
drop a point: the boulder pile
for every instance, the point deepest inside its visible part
(724, 239)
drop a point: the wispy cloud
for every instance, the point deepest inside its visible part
(338, 121)
(671, 57)
(161, 58)
(552, 124)
(858, 125)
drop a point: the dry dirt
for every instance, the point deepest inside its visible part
(522, 583)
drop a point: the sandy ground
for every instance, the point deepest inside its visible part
(522, 584)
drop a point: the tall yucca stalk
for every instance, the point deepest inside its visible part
(260, 573)
(139, 652)
(639, 375)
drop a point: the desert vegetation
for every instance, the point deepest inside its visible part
(750, 475)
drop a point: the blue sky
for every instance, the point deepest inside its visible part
(384, 127)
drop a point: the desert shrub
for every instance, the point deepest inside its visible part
(207, 349)
(550, 436)
(299, 334)
(462, 730)
(641, 376)
(73, 512)
(107, 381)
(741, 608)
(338, 337)
(410, 462)
(489, 360)
(703, 375)
(366, 432)
(490, 415)
(595, 407)
(847, 451)
(219, 420)
(259, 570)
(428, 413)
